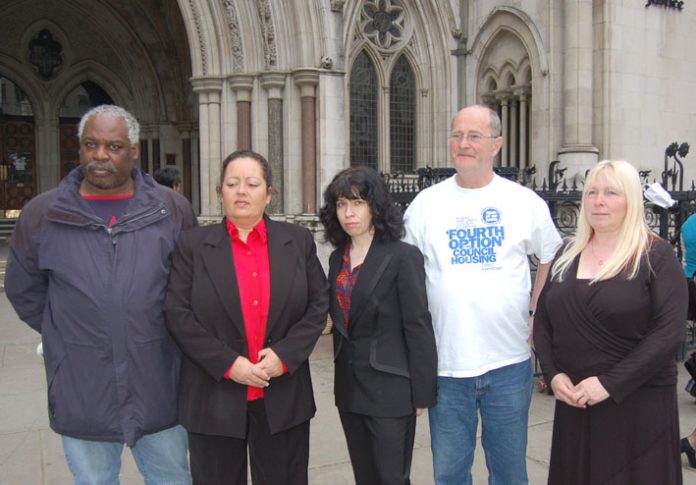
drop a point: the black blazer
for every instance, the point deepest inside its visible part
(386, 360)
(204, 315)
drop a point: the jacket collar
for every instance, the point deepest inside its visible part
(69, 207)
(376, 262)
(219, 261)
(282, 269)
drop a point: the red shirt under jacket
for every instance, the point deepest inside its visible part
(254, 281)
(109, 207)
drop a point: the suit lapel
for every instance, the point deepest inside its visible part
(282, 265)
(376, 261)
(219, 262)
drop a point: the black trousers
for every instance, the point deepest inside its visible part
(276, 459)
(380, 449)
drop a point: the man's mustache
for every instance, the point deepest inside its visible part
(96, 165)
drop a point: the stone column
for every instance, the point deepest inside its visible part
(47, 169)
(384, 130)
(273, 83)
(307, 80)
(504, 115)
(242, 86)
(144, 145)
(577, 151)
(185, 131)
(209, 90)
(461, 52)
(196, 168)
(155, 154)
(522, 96)
(148, 132)
(512, 134)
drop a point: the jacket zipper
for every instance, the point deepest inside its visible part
(109, 230)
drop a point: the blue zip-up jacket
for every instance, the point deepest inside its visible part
(96, 295)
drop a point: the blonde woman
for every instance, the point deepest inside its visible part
(607, 326)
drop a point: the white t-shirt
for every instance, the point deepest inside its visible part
(475, 243)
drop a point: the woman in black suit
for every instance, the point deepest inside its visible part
(246, 302)
(384, 346)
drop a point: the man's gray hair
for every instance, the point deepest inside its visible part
(131, 122)
(496, 129)
(496, 125)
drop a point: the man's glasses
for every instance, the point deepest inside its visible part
(471, 137)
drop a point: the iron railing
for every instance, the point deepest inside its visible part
(564, 200)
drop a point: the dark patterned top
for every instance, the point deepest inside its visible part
(345, 281)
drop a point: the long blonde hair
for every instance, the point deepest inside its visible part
(634, 235)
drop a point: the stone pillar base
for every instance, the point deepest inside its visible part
(577, 159)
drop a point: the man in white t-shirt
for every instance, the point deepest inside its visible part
(476, 231)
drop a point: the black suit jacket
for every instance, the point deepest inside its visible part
(386, 359)
(204, 315)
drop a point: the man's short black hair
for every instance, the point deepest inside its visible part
(168, 176)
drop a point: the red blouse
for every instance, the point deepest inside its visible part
(254, 281)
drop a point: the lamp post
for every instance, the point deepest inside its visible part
(4, 172)
(672, 151)
(675, 151)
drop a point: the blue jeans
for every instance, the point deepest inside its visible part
(161, 458)
(502, 396)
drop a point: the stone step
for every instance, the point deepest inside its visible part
(6, 228)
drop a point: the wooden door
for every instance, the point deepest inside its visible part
(69, 145)
(18, 164)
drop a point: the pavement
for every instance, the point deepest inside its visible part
(31, 453)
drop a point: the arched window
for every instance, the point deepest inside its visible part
(13, 101)
(81, 99)
(505, 85)
(363, 112)
(402, 117)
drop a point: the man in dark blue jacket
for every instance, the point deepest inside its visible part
(88, 269)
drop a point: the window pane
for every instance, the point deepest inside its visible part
(13, 101)
(83, 98)
(402, 115)
(363, 113)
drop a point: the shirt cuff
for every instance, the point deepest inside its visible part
(228, 374)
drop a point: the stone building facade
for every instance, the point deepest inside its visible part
(318, 85)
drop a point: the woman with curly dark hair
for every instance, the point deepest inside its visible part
(384, 346)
